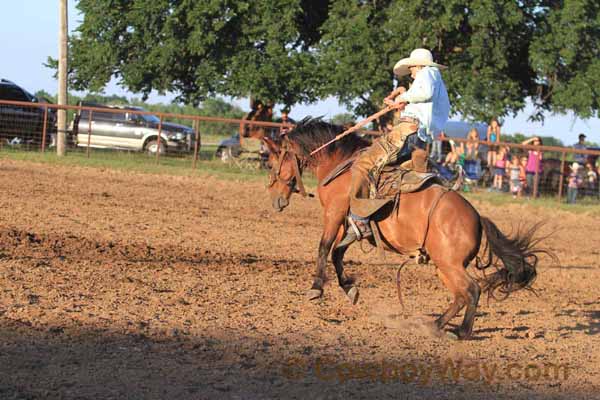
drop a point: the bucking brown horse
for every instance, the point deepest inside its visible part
(434, 221)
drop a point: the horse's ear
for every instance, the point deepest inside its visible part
(271, 145)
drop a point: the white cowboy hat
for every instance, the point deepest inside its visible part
(417, 57)
(575, 166)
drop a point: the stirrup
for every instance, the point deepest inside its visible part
(354, 233)
(360, 234)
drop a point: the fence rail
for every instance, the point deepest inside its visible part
(551, 176)
(34, 125)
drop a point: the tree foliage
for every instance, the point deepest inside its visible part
(197, 49)
(484, 42)
(499, 52)
(343, 119)
(565, 54)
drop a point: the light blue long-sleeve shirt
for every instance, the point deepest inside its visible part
(428, 102)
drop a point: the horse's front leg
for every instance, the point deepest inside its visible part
(345, 282)
(333, 223)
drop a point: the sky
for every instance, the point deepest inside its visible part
(29, 32)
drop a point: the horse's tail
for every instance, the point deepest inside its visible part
(515, 258)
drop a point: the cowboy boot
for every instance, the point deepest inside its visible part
(358, 229)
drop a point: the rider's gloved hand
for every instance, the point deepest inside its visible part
(390, 99)
(399, 106)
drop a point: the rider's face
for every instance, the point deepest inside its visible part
(414, 69)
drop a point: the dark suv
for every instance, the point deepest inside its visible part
(23, 124)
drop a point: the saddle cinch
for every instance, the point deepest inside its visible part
(400, 177)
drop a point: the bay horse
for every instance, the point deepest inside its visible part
(435, 221)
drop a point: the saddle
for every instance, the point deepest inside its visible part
(395, 179)
(403, 177)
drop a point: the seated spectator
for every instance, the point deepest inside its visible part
(455, 154)
(573, 182)
(581, 159)
(436, 148)
(472, 146)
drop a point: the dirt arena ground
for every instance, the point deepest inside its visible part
(122, 285)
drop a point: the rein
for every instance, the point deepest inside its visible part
(295, 183)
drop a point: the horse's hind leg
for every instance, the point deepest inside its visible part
(466, 329)
(345, 283)
(455, 307)
(465, 291)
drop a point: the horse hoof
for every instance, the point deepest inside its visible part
(314, 294)
(432, 330)
(463, 335)
(451, 336)
(353, 295)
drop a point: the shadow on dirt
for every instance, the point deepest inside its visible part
(71, 363)
(592, 327)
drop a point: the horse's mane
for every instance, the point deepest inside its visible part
(311, 133)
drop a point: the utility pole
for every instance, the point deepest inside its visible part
(62, 78)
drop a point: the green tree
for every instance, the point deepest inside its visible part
(499, 52)
(484, 42)
(197, 49)
(565, 54)
(343, 119)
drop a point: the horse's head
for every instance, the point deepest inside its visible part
(285, 173)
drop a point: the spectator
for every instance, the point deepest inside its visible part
(597, 170)
(580, 145)
(534, 164)
(285, 119)
(573, 183)
(493, 136)
(244, 127)
(472, 147)
(436, 148)
(514, 172)
(591, 180)
(472, 164)
(455, 154)
(523, 174)
(499, 169)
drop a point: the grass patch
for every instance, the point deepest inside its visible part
(584, 205)
(207, 164)
(214, 139)
(140, 162)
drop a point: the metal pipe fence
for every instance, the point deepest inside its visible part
(542, 170)
(526, 170)
(33, 126)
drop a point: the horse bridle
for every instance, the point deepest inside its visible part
(295, 183)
